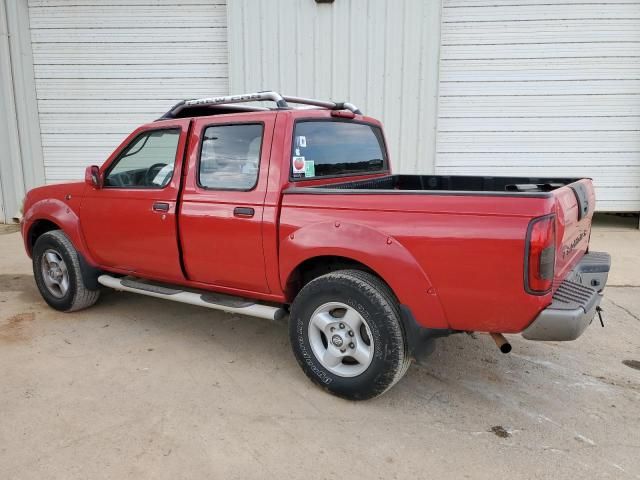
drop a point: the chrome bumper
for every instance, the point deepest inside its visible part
(574, 303)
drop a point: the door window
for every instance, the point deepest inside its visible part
(230, 157)
(147, 162)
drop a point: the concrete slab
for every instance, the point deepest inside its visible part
(138, 388)
(620, 236)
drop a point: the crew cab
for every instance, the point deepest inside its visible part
(294, 214)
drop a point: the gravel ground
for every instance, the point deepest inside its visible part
(137, 388)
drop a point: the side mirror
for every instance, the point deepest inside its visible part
(92, 176)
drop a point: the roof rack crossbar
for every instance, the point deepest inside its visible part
(281, 101)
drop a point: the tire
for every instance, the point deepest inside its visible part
(54, 252)
(318, 317)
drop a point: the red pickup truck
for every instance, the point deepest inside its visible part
(294, 212)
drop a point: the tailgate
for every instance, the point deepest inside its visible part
(575, 204)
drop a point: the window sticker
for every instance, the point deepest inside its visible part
(163, 176)
(301, 141)
(298, 166)
(309, 168)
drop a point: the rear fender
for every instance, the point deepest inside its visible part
(383, 254)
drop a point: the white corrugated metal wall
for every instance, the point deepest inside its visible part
(378, 54)
(525, 86)
(104, 67)
(543, 88)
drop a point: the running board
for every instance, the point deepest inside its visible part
(217, 301)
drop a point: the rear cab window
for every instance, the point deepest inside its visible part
(330, 148)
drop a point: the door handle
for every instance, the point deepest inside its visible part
(161, 207)
(246, 212)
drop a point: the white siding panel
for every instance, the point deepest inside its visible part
(90, 123)
(115, 89)
(541, 50)
(498, 3)
(540, 88)
(559, 32)
(490, 160)
(158, 70)
(143, 53)
(558, 87)
(541, 105)
(558, 12)
(378, 54)
(103, 68)
(541, 124)
(129, 36)
(128, 16)
(575, 69)
(149, 108)
(547, 141)
(123, 3)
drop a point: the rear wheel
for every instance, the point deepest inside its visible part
(346, 334)
(56, 269)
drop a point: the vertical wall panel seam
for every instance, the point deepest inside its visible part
(367, 56)
(279, 63)
(437, 87)
(297, 47)
(12, 161)
(422, 53)
(384, 62)
(400, 135)
(261, 37)
(26, 104)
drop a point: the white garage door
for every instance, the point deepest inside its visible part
(104, 67)
(543, 88)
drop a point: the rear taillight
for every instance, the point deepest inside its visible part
(540, 255)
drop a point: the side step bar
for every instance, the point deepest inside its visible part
(216, 301)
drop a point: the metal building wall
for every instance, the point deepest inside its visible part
(20, 150)
(104, 67)
(540, 88)
(381, 55)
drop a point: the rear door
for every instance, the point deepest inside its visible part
(223, 201)
(130, 223)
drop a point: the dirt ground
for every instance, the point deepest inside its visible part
(140, 388)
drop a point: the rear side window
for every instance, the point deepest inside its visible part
(326, 148)
(230, 157)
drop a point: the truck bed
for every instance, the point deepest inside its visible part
(458, 184)
(471, 247)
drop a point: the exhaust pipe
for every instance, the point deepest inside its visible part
(502, 343)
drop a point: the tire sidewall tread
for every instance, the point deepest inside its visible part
(372, 299)
(78, 296)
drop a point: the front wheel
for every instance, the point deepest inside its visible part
(56, 268)
(346, 334)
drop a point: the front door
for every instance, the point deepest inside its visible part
(223, 201)
(130, 223)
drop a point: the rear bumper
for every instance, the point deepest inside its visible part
(574, 303)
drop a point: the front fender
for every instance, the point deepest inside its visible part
(383, 254)
(63, 215)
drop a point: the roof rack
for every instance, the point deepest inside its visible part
(281, 101)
